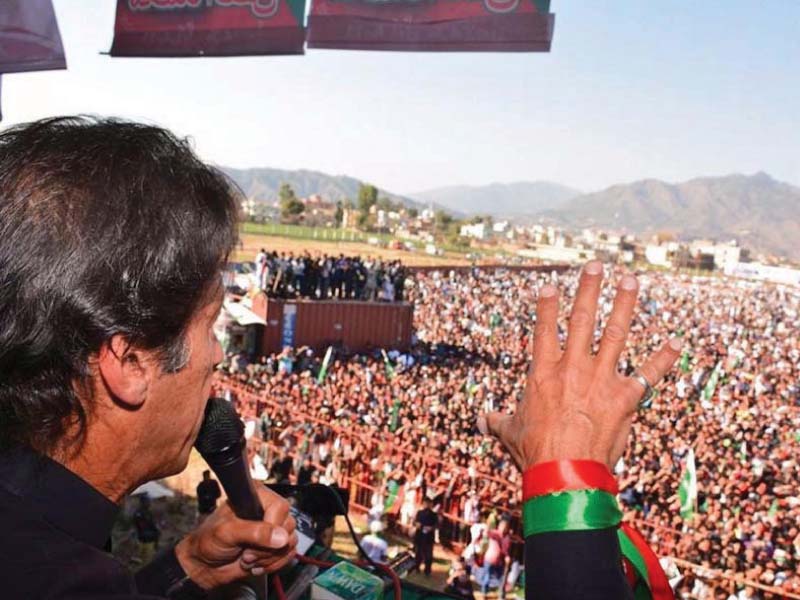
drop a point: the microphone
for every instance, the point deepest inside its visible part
(221, 443)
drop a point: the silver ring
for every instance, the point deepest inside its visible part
(647, 397)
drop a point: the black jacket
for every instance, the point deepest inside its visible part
(54, 528)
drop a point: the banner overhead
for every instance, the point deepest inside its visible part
(434, 25)
(181, 28)
(29, 37)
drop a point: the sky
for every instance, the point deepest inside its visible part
(631, 89)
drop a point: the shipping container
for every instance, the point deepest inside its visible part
(357, 326)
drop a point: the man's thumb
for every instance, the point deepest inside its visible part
(494, 423)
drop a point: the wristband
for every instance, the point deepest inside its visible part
(580, 495)
(562, 475)
(575, 510)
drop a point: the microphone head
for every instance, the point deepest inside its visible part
(221, 431)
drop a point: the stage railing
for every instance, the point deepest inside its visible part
(454, 531)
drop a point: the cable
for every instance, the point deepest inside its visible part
(278, 585)
(369, 562)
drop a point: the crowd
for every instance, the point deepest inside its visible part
(404, 424)
(322, 277)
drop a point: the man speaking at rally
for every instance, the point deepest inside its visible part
(112, 239)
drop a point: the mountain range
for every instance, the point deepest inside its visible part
(263, 183)
(504, 200)
(757, 210)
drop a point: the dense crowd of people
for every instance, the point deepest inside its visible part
(322, 277)
(403, 424)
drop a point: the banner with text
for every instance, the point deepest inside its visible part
(433, 25)
(29, 37)
(208, 27)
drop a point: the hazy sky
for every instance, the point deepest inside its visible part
(631, 89)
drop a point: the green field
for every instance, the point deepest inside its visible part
(314, 233)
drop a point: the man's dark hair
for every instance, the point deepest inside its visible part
(106, 227)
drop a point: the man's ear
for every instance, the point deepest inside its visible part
(125, 371)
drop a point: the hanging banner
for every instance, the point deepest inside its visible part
(208, 27)
(29, 37)
(434, 25)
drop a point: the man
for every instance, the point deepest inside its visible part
(113, 236)
(496, 559)
(208, 493)
(426, 522)
(147, 532)
(261, 265)
(458, 581)
(306, 472)
(375, 547)
(577, 406)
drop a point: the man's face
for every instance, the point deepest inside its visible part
(176, 401)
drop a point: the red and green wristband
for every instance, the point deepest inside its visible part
(569, 495)
(580, 495)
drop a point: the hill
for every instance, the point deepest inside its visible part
(522, 198)
(762, 213)
(263, 184)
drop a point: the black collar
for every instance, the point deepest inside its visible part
(61, 498)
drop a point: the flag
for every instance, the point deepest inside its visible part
(685, 361)
(687, 492)
(773, 509)
(394, 419)
(711, 385)
(434, 25)
(29, 37)
(395, 494)
(326, 362)
(388, 363)
(206, 28)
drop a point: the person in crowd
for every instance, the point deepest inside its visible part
(323, 277)
(307, 472)
(374, 545)
(147, 531)
(496, 557)
(425, 525)
(458, 580)
(741, 428)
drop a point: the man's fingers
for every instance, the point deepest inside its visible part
(657, 366)
(619, 323)
(252, 557)
(584, 312)
(276, 508)
(273, 565)
(545, 333)
(241, 533)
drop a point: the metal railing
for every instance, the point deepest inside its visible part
(454, 532)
